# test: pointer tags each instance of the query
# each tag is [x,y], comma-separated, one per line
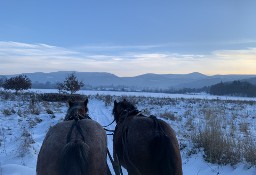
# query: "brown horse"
[144,145]
[74,147]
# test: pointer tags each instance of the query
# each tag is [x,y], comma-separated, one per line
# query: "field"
[217,135]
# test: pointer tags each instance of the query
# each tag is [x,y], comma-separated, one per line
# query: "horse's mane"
[125,109]
[72,113]
[128,106]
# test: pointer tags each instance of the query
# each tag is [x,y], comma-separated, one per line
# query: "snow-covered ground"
[24,123]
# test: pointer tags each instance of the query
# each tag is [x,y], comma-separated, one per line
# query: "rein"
[79,129]
[109,130]
[110,123]
[76,119]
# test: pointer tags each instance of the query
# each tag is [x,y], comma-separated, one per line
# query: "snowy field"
[147,94]
[24,123]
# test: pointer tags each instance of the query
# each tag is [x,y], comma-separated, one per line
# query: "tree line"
[235,88]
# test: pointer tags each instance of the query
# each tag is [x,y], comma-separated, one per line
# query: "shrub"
[108,100]
[70,84]
[5,95]
[8,112]
[49,111]
[55,97]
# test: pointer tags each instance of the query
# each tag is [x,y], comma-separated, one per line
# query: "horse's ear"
[124,100]
[70,103]
[115,103]
[86,102]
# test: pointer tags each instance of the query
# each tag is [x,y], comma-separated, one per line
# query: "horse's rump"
[148,146]
[55,146]
[165,150]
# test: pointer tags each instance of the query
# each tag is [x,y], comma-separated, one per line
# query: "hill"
[141,82]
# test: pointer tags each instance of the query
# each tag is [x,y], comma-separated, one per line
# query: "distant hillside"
[145,81]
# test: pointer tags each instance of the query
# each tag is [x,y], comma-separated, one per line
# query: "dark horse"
[144,145]
[75,146]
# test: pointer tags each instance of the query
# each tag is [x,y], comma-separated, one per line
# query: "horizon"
[128,38]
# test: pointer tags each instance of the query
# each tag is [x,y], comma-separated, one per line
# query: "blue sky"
[128,37]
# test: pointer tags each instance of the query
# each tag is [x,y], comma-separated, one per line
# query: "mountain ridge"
[144,81]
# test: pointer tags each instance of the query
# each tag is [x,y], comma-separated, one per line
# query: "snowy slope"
[23,125]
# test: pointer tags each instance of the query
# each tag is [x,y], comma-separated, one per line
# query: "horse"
[75,146]
[144,145]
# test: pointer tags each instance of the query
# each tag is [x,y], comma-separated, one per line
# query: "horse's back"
[142,143]
[143,130]
[56,139]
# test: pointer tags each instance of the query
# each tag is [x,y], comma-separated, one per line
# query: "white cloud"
[23,49]
[22,57]
[248,54]
[108,47]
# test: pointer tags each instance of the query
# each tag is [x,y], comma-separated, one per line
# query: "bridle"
[123,117]
[73,113]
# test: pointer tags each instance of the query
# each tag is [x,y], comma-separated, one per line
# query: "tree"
[70,84]
[18,83]
[60,87]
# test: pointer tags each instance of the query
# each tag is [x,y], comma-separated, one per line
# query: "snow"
[14,169]
[195,165]
[21,127]
[147,94]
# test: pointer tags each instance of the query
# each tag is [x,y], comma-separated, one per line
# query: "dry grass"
[218,147]
[244,128]
[169,116]
[26,141]
[249,151]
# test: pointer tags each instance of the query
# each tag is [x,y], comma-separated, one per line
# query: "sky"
[128,37]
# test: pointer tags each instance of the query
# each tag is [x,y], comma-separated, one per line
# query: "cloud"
[18,58]
[24,49]
[247,54]
[109,47]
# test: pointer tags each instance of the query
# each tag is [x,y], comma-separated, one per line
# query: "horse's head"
[77,110]
[123,109]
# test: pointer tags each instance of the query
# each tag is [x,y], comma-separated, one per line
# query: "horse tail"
[74,158]
[164,151]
